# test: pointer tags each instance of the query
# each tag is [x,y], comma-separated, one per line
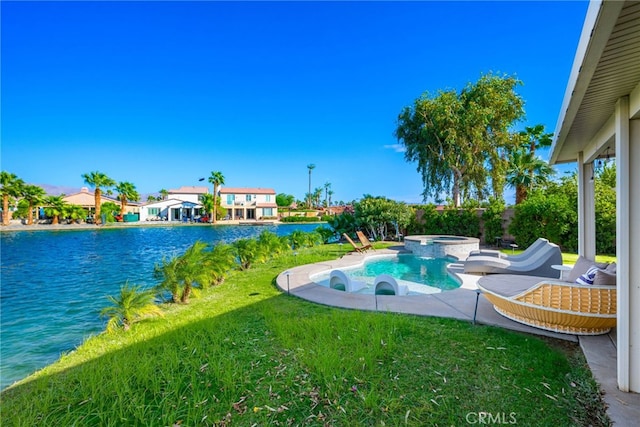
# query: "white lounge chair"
[387,285]
[538,264]
[340,281]
[535,246]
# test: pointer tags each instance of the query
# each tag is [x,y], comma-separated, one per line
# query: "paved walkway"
[465,303]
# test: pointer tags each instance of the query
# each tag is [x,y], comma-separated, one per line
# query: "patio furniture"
[356,248]
[537,264]
[535,246]
[552,305]
[388,285]
[366,244]
[340,281]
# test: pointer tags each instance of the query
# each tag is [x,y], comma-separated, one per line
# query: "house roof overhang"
[606,67]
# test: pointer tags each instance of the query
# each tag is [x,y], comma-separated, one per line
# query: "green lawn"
[245,354]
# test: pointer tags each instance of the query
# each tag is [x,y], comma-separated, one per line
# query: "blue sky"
[162,93]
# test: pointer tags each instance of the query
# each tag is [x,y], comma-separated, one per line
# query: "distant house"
[182,204]
[86,199]
[249,203]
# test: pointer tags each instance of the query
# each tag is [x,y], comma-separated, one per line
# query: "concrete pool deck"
[600,351]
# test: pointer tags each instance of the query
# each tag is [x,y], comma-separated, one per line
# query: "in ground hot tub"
[437,246]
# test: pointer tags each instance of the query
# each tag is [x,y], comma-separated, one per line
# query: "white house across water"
[182,204]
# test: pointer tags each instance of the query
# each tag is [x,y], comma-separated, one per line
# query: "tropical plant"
[219,261]
[271,245]
[311,167]
[126,192]
[163,194]
[55,207]
[217,179]
[151,198]
[526,172]
[11,188]
[109,210]
[98,181]
[327,187]
[182,274]
[33,195]
[75,213]
[300,239]
[208,204]
[454,136]
[248,252]
[317,194]
[131,305]
[326,233]
[284,200]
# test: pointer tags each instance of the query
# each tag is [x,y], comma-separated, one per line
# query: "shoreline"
[19,226]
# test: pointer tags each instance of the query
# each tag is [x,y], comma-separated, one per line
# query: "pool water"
[422,275]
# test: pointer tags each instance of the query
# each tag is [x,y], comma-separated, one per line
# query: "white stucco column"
[586,209]
[628,247]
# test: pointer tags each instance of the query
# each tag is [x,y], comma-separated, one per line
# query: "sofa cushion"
[603,277]
[612,268]
[588,277]
[581,266]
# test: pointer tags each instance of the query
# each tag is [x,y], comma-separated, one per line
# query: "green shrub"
[492,220]
[300,219]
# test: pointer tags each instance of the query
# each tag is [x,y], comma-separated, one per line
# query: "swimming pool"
[422,275]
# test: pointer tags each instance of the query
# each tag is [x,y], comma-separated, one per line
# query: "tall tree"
[126,192]
[217,179]
[311,167]
[11,188]
[526,172]
[454,136]
[98,180]
[33,195]
[163,194]
[317,195]
[327,187]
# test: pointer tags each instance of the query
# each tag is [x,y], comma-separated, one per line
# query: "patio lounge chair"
[537,264]
[366,244]
[552,305]
[388,285]
[340,281]
[356,248]
[535,246]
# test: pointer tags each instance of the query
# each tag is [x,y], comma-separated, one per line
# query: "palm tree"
[55,207]
[98,180]
[311,167]
[182,274]
[132,305]
[75,213]
[217,179]
[525,172]
[208,204]
[327,187]
[317,195]
[33,195]
[164,194]
[126,191]
[11,187]
[151,198]
[330,193]
[248,251]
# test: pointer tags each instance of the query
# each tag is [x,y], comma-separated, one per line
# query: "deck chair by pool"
[535,246]
[366,244]
[538,264]
[552,305]
[388,285]
[356,248]
[340,281]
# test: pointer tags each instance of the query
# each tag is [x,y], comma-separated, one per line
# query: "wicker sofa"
[552,305]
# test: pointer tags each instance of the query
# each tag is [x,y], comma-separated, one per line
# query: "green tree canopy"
[460,140]
[11,188]
[284,200]
[98,180]
[126,191]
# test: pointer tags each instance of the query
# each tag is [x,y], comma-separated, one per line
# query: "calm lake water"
[54,283]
